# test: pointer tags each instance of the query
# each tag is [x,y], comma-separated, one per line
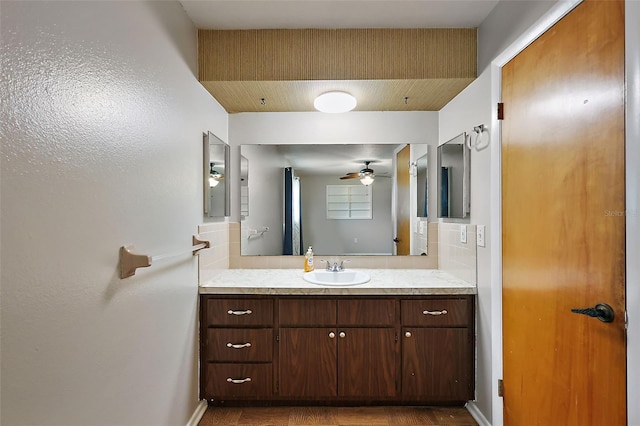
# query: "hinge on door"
[500,111]
[500,388]
[277,337]
[396,338]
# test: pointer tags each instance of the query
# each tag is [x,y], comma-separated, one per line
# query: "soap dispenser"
[308,260]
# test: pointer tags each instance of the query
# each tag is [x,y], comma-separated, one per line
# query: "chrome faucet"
[335,267]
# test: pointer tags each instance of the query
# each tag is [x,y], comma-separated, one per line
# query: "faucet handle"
[342,262]
[328,264]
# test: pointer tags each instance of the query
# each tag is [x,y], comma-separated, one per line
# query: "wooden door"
[367,362]
[308,362]
[563,222]
[403,204]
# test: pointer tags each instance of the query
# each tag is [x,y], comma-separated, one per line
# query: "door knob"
[342,334]
[332,335]
[396,240]
[602,311]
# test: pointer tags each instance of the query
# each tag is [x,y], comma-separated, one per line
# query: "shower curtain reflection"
[293,244]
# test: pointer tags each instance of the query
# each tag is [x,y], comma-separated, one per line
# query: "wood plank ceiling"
[283,70]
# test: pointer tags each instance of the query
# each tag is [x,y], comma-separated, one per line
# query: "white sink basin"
[342,278]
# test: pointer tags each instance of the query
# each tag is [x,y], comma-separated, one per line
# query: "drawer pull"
[247,312]
[238,381]
[442,312]
[239,346]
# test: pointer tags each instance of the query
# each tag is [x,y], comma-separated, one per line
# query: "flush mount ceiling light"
[335,102]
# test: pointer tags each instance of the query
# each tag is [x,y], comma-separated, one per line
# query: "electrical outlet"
[480,236]
[463,234]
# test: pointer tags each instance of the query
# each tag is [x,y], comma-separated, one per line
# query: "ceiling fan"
[365,175]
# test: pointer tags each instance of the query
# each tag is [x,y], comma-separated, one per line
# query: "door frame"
[632,198]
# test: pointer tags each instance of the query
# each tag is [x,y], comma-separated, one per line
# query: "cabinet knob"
[332,335]
[342,334]
[407,334]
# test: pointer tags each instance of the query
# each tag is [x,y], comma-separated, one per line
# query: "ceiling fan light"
[335,102]
[367,178]
[213,181]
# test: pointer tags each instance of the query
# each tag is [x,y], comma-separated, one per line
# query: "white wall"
[102,122]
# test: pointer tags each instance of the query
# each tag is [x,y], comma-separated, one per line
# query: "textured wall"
[102,122]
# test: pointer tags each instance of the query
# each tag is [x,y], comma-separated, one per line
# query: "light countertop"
[290,282]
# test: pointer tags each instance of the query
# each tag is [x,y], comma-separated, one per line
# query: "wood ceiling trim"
[342,54]
[372,95]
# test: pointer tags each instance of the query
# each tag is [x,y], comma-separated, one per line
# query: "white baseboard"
[197,415]
[477,415]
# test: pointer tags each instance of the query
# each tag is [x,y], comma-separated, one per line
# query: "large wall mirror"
[340,199]
[454,172]
[215,177]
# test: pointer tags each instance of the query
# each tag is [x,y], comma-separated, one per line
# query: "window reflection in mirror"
[454,178]
[316,168]
[215,173]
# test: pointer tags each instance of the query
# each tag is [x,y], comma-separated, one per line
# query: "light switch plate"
[480,236]
[463,234]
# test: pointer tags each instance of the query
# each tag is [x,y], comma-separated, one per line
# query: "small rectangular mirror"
[215,172]
[422,187]
[454,171]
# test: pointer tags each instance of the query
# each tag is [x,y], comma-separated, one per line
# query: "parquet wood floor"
[336,416]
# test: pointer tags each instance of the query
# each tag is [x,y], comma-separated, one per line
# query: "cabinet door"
[308,362]
[437,364]
[367,362]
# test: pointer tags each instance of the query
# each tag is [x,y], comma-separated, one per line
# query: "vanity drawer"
[436,312]
[371,312]
[307,312]
[236,344]
[239,312]
[233,381]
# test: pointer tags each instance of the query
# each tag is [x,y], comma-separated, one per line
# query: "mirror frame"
[209,140]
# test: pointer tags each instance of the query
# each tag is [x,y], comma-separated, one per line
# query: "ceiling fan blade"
[352,175]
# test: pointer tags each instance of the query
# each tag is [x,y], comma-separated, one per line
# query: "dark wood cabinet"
[363,349]
[438,349]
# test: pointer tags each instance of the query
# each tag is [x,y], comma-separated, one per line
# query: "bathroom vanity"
[407,336]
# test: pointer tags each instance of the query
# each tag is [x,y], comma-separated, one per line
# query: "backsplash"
[455,257]
[446,252]
[216,258]
[225,254]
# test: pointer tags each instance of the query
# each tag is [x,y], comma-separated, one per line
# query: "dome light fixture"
[366,175]
[335,102]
